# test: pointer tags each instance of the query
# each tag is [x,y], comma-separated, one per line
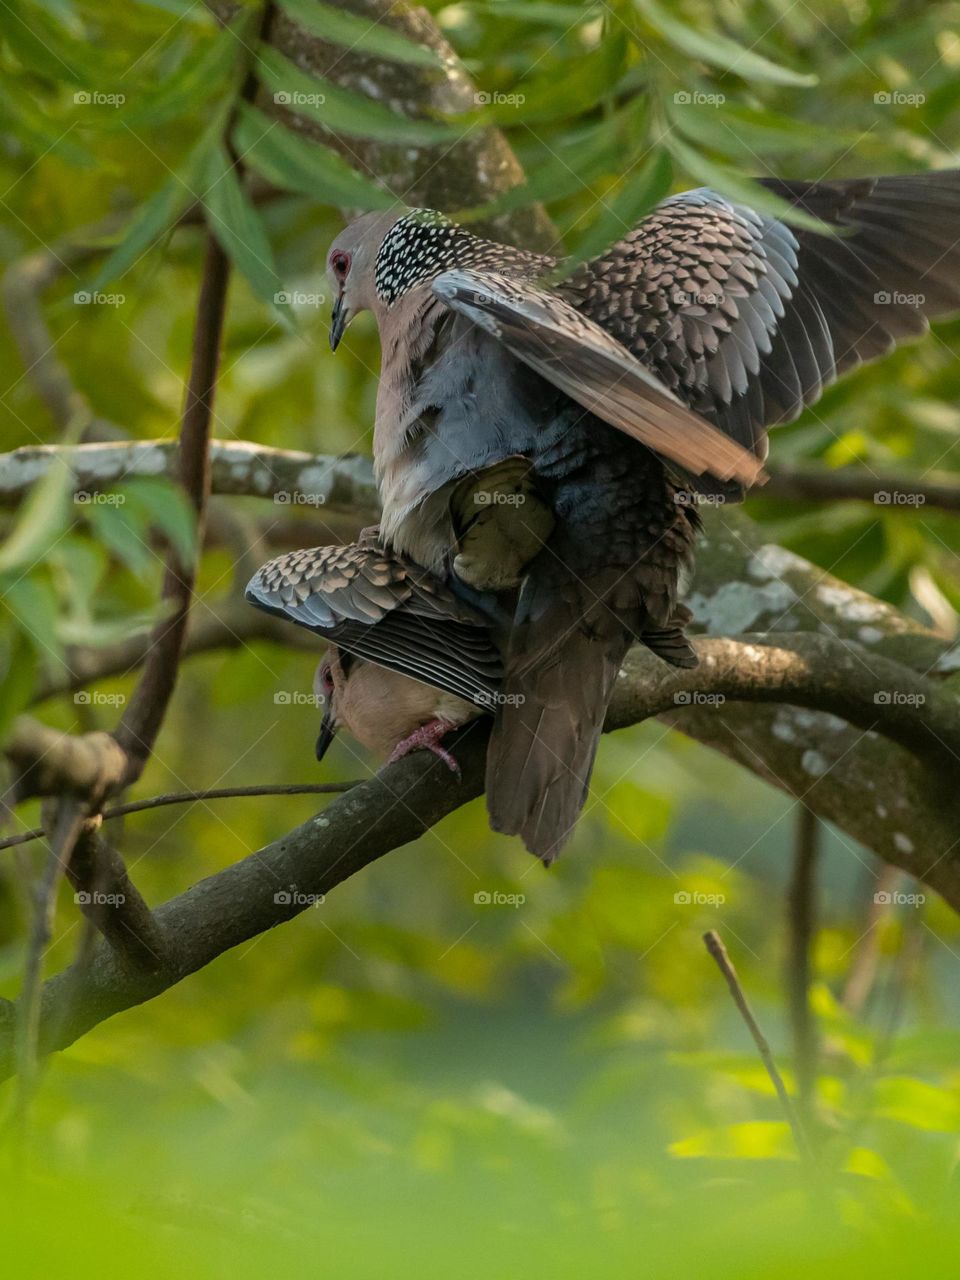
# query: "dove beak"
[338,322]
[328,731]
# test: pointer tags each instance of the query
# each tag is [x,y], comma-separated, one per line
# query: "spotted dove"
[407,660]
[543,443]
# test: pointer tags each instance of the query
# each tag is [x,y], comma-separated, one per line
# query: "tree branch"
[887,490]
[408,797]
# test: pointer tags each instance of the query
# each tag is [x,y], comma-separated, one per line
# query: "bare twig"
[801,932]
[888,490]
[718,951]
[71,815]
[187,797]
[862,974]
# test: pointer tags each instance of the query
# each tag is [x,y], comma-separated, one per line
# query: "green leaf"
[42,519]
[566,16]
[18,664]
[340,110]
[587,79]
[352,31]
[197,80]
[162,505]
[33,603]
[717,50]
[291,163]
[586,156]
[621,212]
[238,227]
[730,183]
[156,216]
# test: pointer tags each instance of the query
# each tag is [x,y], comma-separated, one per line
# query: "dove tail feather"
[546,734]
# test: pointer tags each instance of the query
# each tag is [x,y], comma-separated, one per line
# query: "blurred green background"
[406,1080]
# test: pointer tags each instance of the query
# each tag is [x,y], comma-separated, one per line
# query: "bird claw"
[427,737]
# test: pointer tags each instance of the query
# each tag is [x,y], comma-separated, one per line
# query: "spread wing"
[746,319]
[574,353]
[376,606]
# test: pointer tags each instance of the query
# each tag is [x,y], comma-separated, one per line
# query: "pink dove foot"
[427,737]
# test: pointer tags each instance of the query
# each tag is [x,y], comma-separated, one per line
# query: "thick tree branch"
[407,798]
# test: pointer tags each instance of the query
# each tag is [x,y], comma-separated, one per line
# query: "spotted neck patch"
[423,244]
[417,248]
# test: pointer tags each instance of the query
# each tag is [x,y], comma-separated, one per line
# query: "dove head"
[328,674]
[380,257]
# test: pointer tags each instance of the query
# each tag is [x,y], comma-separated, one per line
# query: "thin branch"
[145,711]
[188,797]
[887,490]
[71,815]
[801,932]
[718,951]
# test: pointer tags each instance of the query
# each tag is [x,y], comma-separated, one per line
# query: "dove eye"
[340,262]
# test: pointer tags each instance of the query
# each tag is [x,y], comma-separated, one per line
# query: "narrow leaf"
[342,111]
[238,227]
[622,211]
[352,31]
[717,50]
[734,186]
[291,163]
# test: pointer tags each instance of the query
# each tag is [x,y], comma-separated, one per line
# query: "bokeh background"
[407,1079]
